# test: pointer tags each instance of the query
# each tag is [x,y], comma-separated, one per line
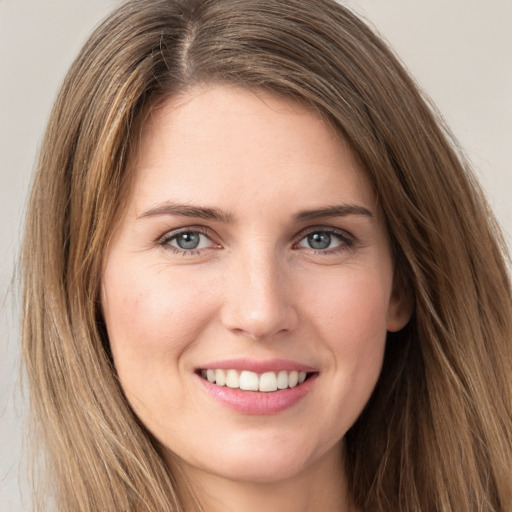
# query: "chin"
[265,461]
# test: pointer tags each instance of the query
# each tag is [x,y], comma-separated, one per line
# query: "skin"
[254,288]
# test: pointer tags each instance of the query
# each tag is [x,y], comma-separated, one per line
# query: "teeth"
[251,381]
[268,382]
[293,379]
[282,380]
[232,379]
[220,377]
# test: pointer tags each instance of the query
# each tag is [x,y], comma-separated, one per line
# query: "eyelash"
[347,241]
[165,240]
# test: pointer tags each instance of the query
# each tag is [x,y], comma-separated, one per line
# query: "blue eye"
[324,241]
[185,241]
[319,240]
[188,240]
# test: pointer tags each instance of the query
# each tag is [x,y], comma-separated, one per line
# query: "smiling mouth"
[245,380]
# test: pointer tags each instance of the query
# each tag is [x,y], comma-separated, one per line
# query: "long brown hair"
[437,432]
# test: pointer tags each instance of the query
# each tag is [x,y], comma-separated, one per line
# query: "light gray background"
[459,50]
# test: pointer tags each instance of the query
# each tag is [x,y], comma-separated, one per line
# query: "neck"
[321,486]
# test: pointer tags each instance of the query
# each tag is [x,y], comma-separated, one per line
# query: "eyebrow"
[341,210]
[186,210]
[201,212]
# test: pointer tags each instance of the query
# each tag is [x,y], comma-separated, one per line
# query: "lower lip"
[257,402]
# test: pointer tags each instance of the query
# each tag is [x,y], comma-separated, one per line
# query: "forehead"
[231,144]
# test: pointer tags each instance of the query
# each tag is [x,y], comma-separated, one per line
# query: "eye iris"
[188,240]
[319,240]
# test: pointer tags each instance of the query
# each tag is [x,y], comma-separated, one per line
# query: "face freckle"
[251,179]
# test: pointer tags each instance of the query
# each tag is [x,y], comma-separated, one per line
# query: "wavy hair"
[436,434]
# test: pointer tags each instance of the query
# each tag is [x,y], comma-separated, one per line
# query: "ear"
[401,306]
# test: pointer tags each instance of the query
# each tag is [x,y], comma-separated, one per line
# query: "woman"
[257,274]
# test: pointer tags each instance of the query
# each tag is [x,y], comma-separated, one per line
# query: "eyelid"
[164,239]
[324,229]
[347,237]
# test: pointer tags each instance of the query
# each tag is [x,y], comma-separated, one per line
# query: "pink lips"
[255,402]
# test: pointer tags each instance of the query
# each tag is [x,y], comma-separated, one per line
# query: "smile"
[245,380]
[255,387]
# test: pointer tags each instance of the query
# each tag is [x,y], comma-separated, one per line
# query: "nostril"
[259,326]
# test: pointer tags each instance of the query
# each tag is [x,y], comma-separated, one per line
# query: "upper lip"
[258,366]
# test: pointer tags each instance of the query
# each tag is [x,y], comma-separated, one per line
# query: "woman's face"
[251,255]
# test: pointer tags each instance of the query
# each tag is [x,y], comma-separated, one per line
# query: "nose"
[258,298]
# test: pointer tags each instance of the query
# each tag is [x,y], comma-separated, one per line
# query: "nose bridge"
[257,301]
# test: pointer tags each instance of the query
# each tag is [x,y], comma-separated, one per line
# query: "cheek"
[352,308]
[351,317]
[152,320]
